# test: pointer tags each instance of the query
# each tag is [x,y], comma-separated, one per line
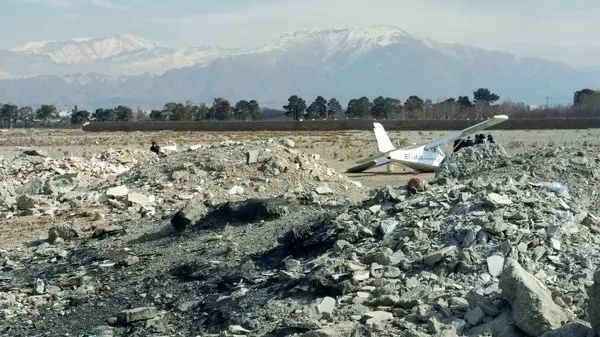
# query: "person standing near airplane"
[154,148]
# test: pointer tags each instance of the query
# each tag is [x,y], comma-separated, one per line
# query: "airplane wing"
[465,132]
[368,164]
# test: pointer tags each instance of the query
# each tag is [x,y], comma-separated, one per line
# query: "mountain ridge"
[341,62]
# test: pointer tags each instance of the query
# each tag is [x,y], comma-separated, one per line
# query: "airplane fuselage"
[419,159]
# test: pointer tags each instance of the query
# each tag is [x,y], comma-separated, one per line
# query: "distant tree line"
[586,103]
[11,115]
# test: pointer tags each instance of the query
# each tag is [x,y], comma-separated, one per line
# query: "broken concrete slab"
[533,308]
[193,212]
[137,314]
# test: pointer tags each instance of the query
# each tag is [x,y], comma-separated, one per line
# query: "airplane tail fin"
[384,144]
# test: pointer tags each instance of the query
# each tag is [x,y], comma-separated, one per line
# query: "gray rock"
[139,200]
[288,143]
[387,226]
[117,191]
[137,314]
[475,316]
[39,286]
[392,272]
[234,190]
[320,333]
[593,308]
[326,307]
[361,275]
[533,308]
[189,215]
[63,232]
[25,202]
[412,282]
[382,256]
[571,329]
[438,255]
[101,331]
[293,265]
[470,237]
[480,301]
[237,329]
[324,189]
[372,317]
[502,325]
[387,300]
[498,200]
[252,157]
[130,260]
[201,173]
[495,264]
[578,160]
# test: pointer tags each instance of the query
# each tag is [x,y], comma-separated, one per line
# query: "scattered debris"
[498,246]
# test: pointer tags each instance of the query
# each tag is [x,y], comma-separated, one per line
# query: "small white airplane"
[423,158]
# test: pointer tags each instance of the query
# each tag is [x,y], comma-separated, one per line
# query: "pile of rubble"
[36,184]
[233,171]
[502,249]
[472,160]
[140,183]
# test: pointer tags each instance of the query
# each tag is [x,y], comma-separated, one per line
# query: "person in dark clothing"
[469,142]
[480,139]
[490,139]
[458,144]
[154,148]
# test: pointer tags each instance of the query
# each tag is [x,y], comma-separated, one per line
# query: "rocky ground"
[261,235]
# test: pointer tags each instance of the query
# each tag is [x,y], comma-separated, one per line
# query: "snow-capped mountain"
[87,49]
[112,55]
[343,63]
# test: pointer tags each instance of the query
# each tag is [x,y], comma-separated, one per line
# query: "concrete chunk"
[139,199]
[252,157]
[533,309]
[137,314]
[117,191]
[326,307]
[324,189]
[498,200]
[572,329]
[593,293]
[189,215]
[437,256]
[377,316]
[495,264]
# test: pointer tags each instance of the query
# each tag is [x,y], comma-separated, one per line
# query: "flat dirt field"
[340,149]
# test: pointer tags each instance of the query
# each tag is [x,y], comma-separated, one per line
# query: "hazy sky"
[564,30]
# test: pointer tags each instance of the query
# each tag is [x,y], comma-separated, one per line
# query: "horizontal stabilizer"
[368,164]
